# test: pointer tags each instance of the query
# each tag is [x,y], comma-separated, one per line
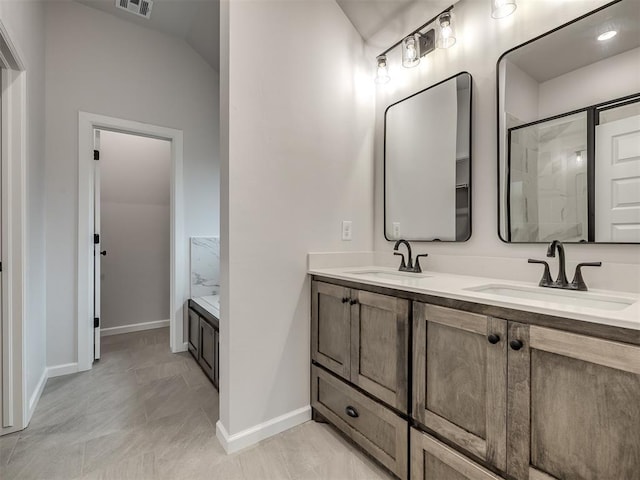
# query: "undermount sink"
[386,275]
[563,297]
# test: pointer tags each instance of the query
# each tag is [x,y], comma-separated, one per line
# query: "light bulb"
[578,157]
[382,75]
[410,51]
[446,35]
[502,8]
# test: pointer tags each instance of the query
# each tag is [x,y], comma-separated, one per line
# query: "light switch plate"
[347,230]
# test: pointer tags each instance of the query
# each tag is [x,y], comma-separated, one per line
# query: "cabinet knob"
[516,344]
[352,412]
[493,338]
[345,300]
[353,302]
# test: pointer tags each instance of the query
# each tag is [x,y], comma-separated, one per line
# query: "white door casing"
[88,122]
[617,184]
[97,248]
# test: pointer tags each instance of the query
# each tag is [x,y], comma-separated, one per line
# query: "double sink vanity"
[450,377]
[443,377]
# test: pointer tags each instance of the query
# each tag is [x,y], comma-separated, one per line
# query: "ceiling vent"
[141,8]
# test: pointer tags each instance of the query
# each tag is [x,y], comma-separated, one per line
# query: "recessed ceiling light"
[607,35]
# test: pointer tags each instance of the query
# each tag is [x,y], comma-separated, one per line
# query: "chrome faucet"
[561,281]
[408,266]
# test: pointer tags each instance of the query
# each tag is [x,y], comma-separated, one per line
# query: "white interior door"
[617,173]
[97,252]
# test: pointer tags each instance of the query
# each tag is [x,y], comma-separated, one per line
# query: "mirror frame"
[499,133]
[384,160]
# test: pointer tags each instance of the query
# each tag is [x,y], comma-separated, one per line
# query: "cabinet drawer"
[374,427]
[433,460]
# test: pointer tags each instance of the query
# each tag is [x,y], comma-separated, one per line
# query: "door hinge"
[96,154]
[96,238]
[96,322]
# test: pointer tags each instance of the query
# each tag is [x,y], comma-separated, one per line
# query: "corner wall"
[24,22]
[101,64]
[480,42]
[299,132]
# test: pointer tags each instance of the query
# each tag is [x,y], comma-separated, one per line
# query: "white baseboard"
[183,347]
[59,370]
[135,327]
[33,401]
[250,436]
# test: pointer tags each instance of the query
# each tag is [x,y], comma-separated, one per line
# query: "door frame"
[87,123]
[16,407]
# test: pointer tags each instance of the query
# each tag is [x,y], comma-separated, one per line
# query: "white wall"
[480,42]
[599,82]
[24,22]
[101,64]
[135,175]
[300,133]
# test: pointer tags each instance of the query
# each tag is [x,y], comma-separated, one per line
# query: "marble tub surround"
[461,287]
[205,266]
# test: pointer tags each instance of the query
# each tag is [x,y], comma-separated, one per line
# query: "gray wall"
[135,228]
[24,22]
[99,63]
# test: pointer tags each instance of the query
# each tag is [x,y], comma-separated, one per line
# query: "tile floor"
[143,413]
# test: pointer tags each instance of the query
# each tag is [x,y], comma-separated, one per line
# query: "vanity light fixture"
[411,51]
[446,34]
[607,35]
[418,44]
[382,75]
[578,157]
[502,8]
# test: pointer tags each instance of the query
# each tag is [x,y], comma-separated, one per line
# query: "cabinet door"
[216,364]
[193,332]
[459,379]
[433,460]
[330,327]
[574,406]
[207,348]
[379,346]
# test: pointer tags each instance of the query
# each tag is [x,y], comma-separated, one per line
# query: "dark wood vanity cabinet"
[203,333]
[491,397]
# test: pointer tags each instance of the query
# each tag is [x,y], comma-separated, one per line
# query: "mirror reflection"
[569,132]
[427,164]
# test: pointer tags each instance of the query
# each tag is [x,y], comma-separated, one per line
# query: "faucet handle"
[402,263]
[416,266]
[578,281]
[546,279]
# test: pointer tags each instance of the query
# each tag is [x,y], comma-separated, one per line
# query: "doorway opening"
[132,243]
[89,240]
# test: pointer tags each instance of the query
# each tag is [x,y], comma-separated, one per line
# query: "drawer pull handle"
[353,302]
[352,412]
[516,344]
[493,338]
[345,300]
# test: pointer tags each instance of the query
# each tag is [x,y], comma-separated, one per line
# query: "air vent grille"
[142,8]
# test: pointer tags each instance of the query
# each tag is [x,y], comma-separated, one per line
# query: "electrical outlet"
[346,230]
[396,230]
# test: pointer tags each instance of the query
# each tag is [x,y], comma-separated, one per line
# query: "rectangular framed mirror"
[427,163]
[569,132]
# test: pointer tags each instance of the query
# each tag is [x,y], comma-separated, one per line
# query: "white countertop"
[211,303]
[457,287]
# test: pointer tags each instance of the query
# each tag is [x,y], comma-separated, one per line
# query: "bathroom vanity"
[203,334]
[438,376]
